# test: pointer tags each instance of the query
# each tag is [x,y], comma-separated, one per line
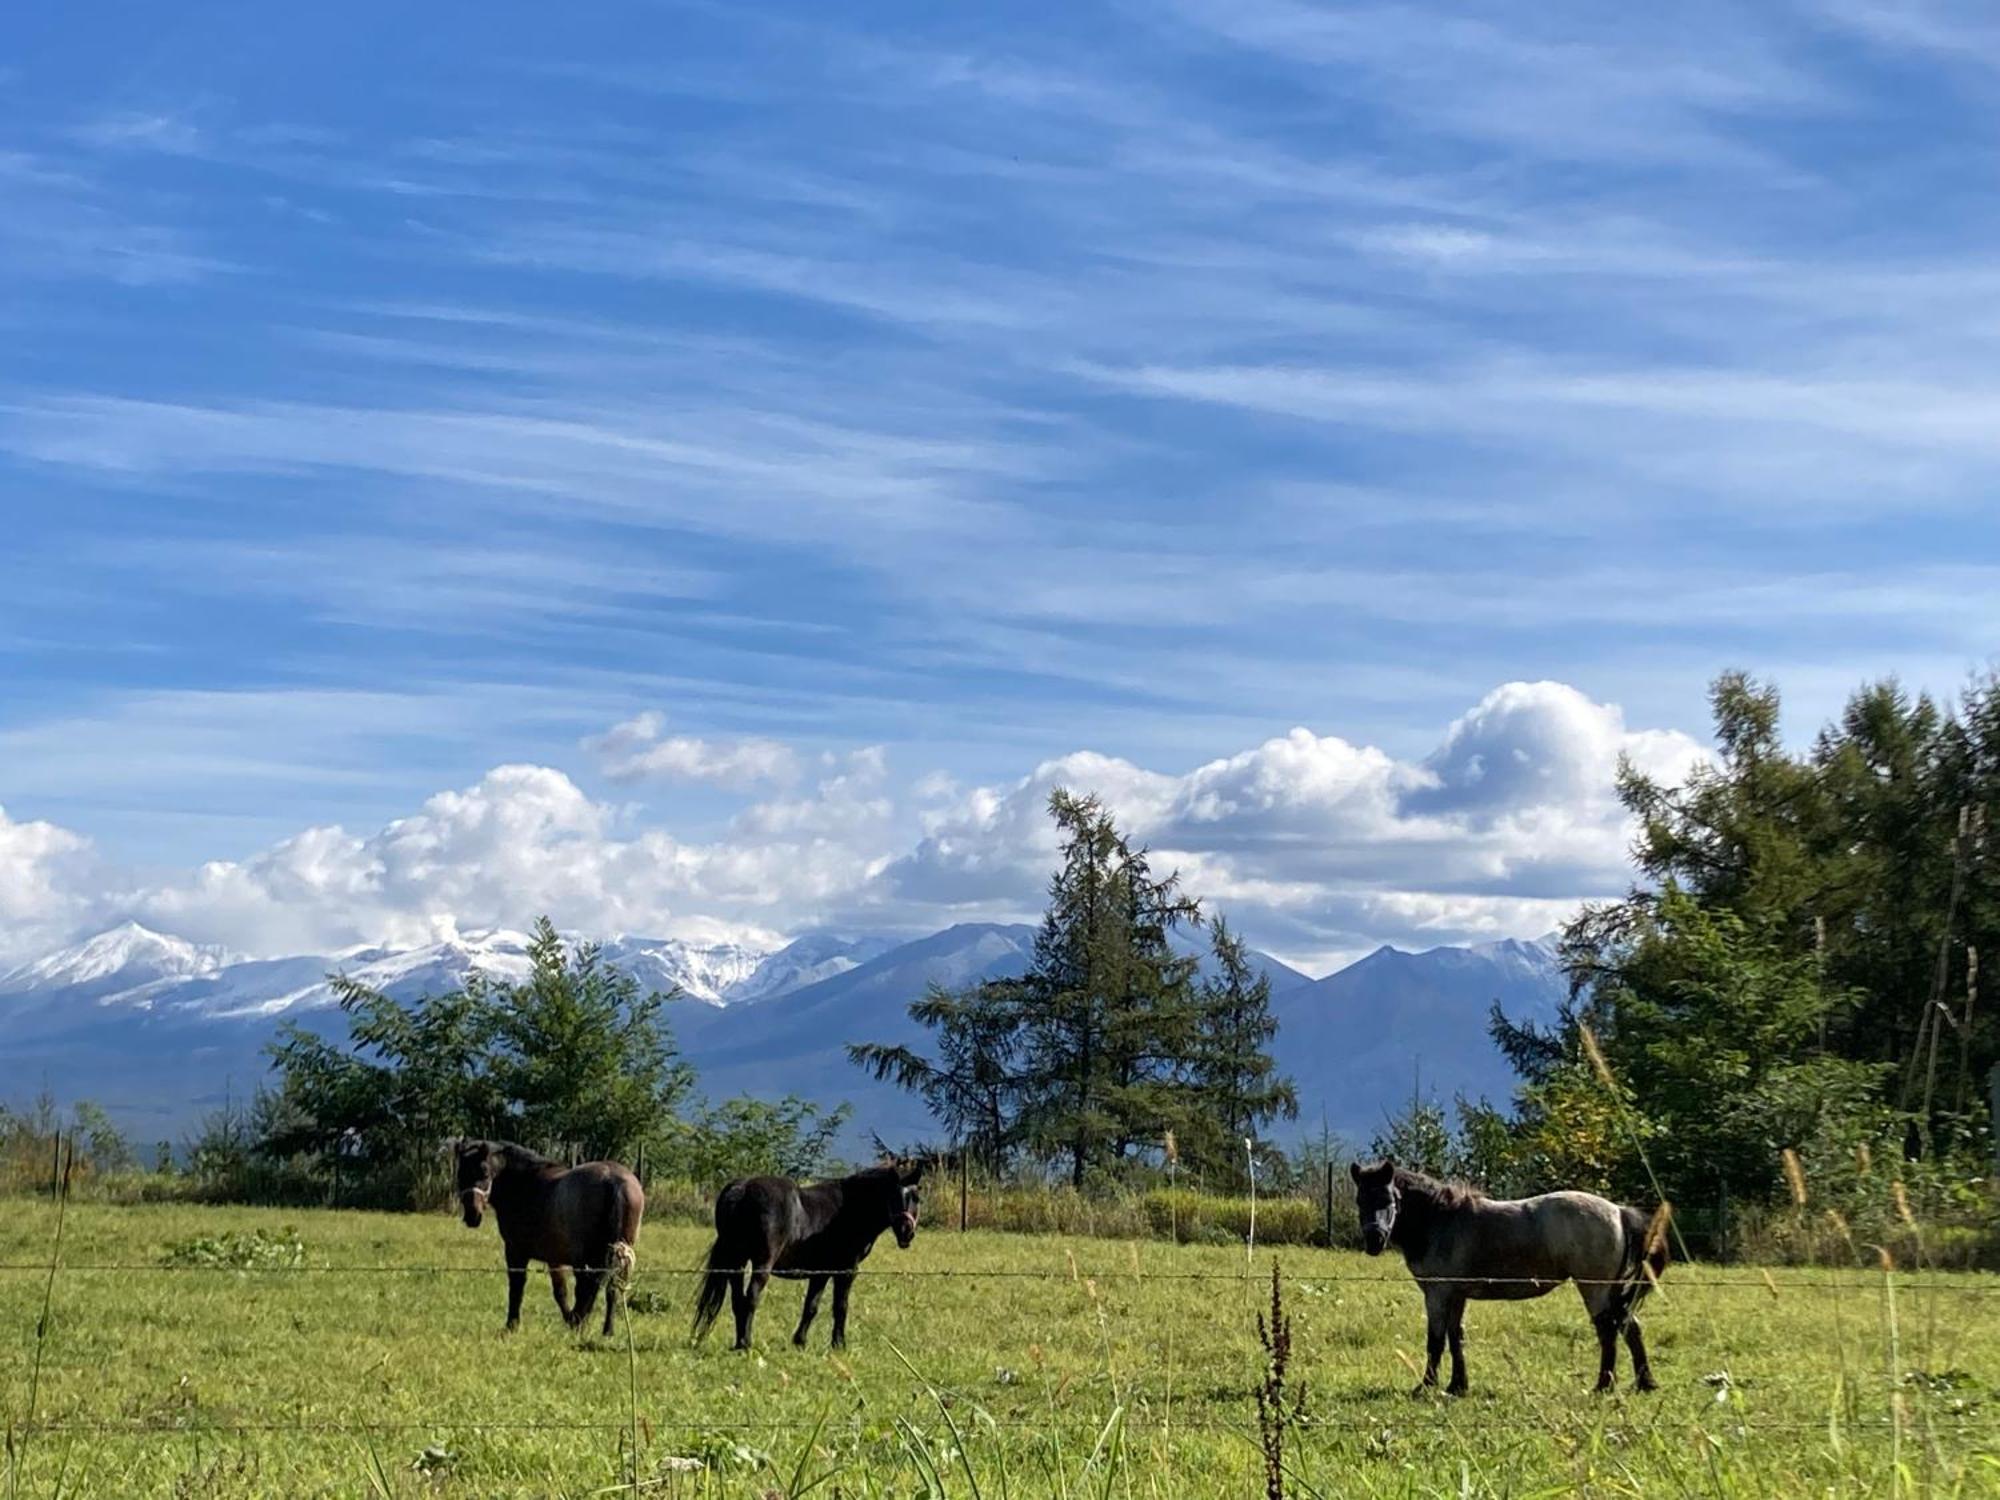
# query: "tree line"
[575,1059]
[1115,1048]
[1794,971]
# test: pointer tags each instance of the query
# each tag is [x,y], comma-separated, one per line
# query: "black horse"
[586,1218]
[820,1233]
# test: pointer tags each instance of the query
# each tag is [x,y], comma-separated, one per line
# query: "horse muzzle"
[906,1230]
[472,1205]
[1373,1240]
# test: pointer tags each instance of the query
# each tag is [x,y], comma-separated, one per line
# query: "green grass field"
[1076,1367]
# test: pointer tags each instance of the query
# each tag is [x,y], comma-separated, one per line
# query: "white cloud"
[44,871]
[1320,848]
[1316,846]
[639,749]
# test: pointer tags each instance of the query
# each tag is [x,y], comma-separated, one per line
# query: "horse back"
[759,1216]
[1528,1246]
[602,1204]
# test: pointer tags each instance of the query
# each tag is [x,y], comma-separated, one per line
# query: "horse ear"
[1354,1170]
[915,1174]
[1388,1166]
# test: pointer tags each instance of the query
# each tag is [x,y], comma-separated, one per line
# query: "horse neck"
[858,1221]
[1419,1218]
[516,1184]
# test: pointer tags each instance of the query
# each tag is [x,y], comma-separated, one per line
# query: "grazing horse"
[1462,1245]
[583,1218]
[820,1233]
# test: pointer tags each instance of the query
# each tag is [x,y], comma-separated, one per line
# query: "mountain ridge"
[156,1027]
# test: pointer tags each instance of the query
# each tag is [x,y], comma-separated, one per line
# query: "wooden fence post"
[964,1189]
[1329,1203]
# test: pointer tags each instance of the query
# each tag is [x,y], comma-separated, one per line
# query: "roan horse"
[821,1233]
[583,1218]
[1462,1245]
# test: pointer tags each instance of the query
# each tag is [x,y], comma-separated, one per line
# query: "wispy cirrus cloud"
[640,749]
[1148,379]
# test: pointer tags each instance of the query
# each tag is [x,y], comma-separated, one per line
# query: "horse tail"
[714,1288]
[624,1261]
[1645,1256]
[1656,1240]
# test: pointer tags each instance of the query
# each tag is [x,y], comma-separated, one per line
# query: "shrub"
[238,1250]
[1196,1217]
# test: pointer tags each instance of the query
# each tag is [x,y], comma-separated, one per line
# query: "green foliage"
[1795,970]
[1209,1218]
[573,1058]
[746,1137]
[971,1088]
[239,1250]
[1418,1137]
[1231,1075]
[92,1146]
[1107,1045]
[578,1054]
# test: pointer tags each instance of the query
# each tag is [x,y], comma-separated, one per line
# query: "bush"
[1199,1218]
[238,1250]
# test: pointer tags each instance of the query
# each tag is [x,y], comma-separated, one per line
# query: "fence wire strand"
[1688,1280]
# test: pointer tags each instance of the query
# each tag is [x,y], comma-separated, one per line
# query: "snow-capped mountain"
[112,964]
[807,961]
[132,966]
[157,1028]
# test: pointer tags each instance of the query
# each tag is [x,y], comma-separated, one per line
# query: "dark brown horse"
[820,1233]
[583,1218]
[1462,1246]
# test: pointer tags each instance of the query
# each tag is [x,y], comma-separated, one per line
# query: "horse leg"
[843,1283]
[1435,1324]
[517,1283]
[611,1284]
[559,1284]
[1642,1368]
[739,1304]
[760,1277]
[588,1284]
[813,1289]
[1455,1332]
[1602,1305]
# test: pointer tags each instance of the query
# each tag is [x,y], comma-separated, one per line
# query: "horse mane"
[518,1155]
[1439,1194]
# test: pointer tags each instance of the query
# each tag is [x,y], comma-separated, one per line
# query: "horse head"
[1377,1197]
[905,1221]
[478,1165]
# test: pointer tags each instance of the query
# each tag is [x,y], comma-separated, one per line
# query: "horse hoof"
[1646,1384]
[1457,1390]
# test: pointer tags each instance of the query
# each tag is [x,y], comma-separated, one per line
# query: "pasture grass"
[980,1364]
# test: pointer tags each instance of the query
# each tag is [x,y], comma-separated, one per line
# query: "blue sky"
[873,413]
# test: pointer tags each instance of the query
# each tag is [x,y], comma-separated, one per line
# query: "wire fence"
[1715,1410]
[1688,1279]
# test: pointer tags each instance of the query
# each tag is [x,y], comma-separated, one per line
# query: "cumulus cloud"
[640,749]
[1317,847]
[523,841]
[1322,848]
[45,874]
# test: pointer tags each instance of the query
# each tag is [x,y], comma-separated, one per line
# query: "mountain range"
[160,1029]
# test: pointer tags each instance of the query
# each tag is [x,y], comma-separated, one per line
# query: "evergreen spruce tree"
[1237,1084]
